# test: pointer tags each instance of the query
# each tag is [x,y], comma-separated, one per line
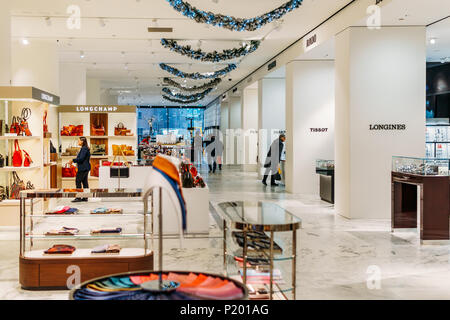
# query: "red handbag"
[69,171]
[45,122]
[26,113]
[15,127]
[27,161]
[17,155]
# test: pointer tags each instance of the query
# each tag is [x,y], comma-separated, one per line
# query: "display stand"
[325,168]
[108,117]
[262,217]
[38,271]
[159,287]
[12,101]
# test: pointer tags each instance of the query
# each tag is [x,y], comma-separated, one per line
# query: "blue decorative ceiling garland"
[232,23]
[212,84]
[193,100]
[228,54]
[197,75]
[189,97]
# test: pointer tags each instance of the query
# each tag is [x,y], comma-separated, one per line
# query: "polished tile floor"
[338,258]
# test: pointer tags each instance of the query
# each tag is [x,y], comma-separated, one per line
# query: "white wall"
[72,83]
[309,104]
[271,112]
[108,99]
[224,126]
[5,44]
[250,127]
[93,92]
[36,64]
[380,79]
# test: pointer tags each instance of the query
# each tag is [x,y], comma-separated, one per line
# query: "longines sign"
[387,127]
[97,109]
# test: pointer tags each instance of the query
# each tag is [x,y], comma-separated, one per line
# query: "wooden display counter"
[434,205]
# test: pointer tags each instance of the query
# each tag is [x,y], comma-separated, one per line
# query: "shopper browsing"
[84,166]
[273,160]
[214,149]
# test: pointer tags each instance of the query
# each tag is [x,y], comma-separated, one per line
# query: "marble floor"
[338,258]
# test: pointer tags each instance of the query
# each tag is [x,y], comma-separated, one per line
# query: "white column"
[5,43]
[271,114]
[380,79]
[309,122]
[235,146]
[72,84]
[250,128]
[93,92]
[36,65]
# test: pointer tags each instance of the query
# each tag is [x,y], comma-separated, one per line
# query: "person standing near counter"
[83,161]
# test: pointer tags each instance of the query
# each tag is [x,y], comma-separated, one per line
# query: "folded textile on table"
[64,231]
[60,249]
[107,231]
[107,211]
[107,248]
[63,210]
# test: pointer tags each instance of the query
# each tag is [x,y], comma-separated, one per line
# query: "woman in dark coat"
[83,161]
[273,160]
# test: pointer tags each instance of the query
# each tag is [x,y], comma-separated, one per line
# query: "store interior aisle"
[338,258]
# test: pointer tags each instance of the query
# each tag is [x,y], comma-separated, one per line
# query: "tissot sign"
[97,109]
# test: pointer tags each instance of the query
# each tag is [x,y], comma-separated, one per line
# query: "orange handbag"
[27,161]
[15,127]
[69,171]
[45,122]
[17,155]
[26,113]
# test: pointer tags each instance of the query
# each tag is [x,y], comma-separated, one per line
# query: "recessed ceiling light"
[101,22]
[433,41]
[25,42]
[82,54]
[48,21]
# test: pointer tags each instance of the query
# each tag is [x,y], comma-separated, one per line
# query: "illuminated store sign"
[98,109]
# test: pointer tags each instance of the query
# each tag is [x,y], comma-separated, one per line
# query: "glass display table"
[246,223]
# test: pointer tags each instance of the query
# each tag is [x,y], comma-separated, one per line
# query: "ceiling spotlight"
[126,66]
[155,22]
[25,42]
[433,41]
[48,21]
[101,22]
[82,54]
[123,53]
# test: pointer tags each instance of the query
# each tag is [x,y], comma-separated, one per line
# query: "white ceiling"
[125,30]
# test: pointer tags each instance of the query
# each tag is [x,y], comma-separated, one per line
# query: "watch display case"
[421,166]
[325,168]
[438,140]
[107,234]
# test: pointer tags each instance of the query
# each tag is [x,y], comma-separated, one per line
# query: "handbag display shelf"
[40,271]
[24,109]
[251,251]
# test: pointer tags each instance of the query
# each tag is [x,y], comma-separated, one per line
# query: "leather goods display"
[27,159]
[64,231]
[95,172]
[72,130]
[17,186]
[17,155]
[15,126]
[44,122]
[107,211]
[121,130]
[107,248]
[69,171]
[106,231]
[98,130]
[60,249]
[98,149]
[24,128]
[193,286]
[122,150]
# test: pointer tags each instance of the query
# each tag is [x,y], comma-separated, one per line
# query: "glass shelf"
[86,215]
[88,237]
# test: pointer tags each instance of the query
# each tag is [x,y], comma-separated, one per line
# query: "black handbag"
[2,161]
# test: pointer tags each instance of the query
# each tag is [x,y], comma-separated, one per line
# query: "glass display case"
[260,248]
[421,166]
[108,232]
[438,140]
[325,168]
[324,165]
